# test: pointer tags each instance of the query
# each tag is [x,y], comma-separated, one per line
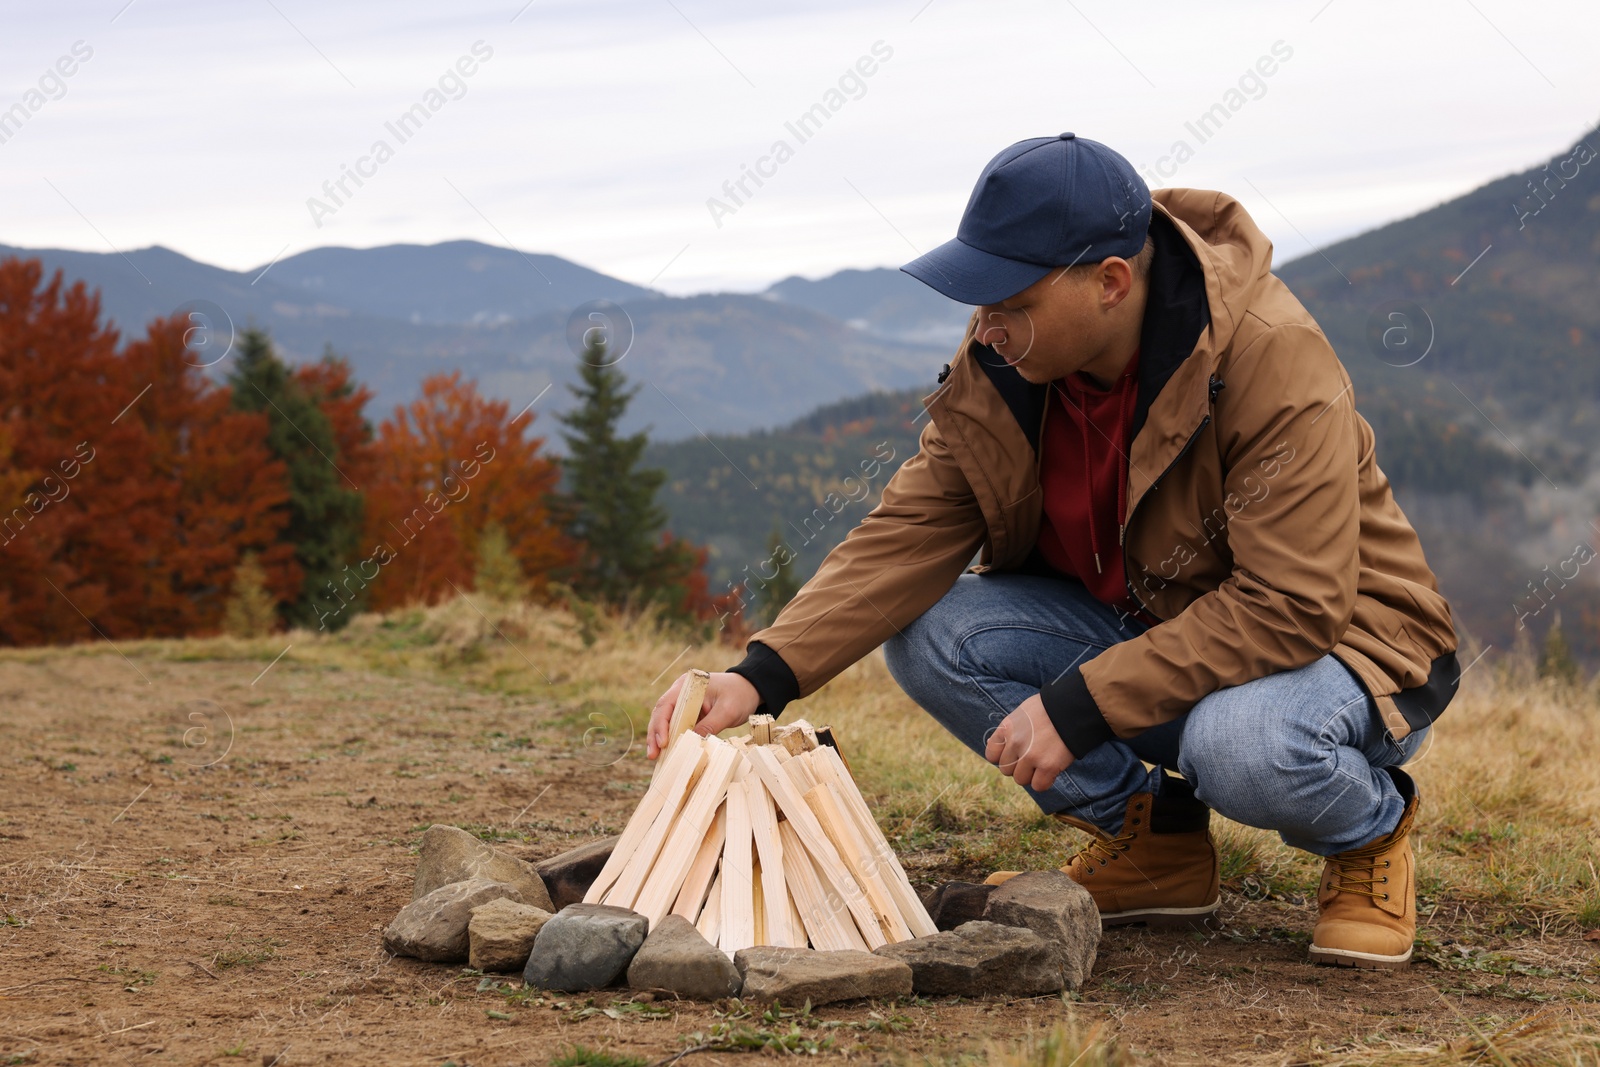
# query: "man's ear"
[1116,281]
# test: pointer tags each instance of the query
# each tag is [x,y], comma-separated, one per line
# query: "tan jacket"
[1260,530]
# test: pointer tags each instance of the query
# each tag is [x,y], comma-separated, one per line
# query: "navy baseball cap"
[1041,203]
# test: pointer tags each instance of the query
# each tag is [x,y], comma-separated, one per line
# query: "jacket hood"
[1232,250]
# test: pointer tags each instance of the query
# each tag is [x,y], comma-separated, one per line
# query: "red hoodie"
[1084,476]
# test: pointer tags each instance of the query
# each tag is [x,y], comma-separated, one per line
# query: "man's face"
[1056,326]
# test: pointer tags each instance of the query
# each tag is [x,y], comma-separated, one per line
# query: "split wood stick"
[828,766]
[794,741]
[809,732]
[796,924]
[679,789]
[822,914]
[643,817]
[686,712]
[783,755]
[769,850]
[758,906]
[738,922]
[761,728]
[825,738]
[698,881]
[688,833]
[800,773]
[710,921]
[824,800]
[829,865]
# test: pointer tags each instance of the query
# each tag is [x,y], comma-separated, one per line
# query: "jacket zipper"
[1122,539]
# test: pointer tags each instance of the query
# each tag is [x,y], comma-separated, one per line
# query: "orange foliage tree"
[128,487]
[448,465]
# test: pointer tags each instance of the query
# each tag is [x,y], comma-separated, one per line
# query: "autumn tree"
[449,466]
[129,487]
[325,503]
[217,492]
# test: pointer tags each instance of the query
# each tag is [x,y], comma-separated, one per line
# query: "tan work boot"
[1367,902]
[1161,869]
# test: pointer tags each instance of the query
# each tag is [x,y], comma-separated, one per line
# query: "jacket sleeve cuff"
[774,681]
[1075,715]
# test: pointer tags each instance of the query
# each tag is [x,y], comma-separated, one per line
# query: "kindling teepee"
[760,840]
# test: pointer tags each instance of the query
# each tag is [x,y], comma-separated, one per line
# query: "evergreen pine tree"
[609,503]
[781,588]
[325,509]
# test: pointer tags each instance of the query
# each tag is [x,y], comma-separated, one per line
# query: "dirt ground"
[198,858]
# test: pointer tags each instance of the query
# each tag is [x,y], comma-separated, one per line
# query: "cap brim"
[971,275]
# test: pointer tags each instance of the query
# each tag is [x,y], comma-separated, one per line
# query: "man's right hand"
[730,701]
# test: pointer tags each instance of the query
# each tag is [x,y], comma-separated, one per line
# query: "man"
[1188,557]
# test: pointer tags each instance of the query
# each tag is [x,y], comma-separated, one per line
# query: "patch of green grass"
[1257,867]
[583,1056]
[246,955]
[1018,845]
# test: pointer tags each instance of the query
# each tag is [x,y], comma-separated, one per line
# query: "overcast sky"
[599,130]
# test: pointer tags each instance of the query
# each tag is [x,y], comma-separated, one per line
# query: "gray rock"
[569,875]
[500,934]
[1059,910]
[978,958]
[954,903]
[451,855]
[675,957]
[434,927]
[585,946]
[795,975]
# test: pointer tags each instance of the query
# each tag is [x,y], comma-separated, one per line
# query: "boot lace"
[1105,849]
[1347,865]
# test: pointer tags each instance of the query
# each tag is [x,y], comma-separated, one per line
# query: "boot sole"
[1344,957]
[1203,917]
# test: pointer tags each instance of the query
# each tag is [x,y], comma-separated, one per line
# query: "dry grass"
[1538,1040]
[1068,1043]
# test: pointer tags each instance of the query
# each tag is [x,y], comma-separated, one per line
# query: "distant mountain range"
[723,362]
[885,301]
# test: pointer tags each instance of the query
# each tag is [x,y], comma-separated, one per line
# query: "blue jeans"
[1301,752]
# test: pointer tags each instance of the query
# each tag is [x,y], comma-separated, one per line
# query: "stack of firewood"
[760,840]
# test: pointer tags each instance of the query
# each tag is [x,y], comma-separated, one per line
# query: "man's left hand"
[1026,746]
